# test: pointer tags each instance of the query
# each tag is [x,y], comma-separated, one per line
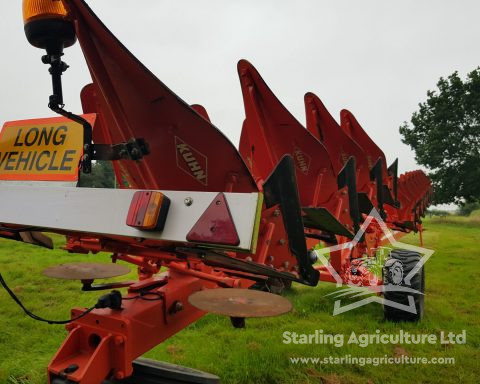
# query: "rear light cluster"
[148,210]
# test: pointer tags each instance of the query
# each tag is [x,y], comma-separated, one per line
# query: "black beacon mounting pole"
[134,149]
[57,68]
[54,35]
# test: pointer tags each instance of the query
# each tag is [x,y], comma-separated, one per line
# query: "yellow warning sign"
[42,149]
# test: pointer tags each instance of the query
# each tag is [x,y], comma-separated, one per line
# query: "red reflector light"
[148,210]
[216,225]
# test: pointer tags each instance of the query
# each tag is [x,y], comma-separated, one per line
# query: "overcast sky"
[375,58]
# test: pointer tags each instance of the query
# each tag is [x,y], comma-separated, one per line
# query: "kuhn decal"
[302,160]
[343,156]
[191,161]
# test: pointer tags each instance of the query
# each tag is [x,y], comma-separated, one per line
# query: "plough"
[228,225]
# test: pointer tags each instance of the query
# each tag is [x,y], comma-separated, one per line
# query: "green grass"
[256,354]
[471,220]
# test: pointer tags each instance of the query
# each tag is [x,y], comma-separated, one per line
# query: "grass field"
[256,354]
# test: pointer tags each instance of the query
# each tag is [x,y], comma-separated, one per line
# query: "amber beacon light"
[47,25]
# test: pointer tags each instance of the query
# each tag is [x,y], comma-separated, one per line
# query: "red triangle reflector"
[215,225]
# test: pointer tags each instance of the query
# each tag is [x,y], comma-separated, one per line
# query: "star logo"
[353,291]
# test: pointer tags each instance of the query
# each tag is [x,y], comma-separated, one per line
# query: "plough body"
[247,218]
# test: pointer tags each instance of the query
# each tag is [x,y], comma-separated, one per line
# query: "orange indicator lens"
[42,9]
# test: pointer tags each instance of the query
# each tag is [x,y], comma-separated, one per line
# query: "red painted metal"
[414,188]
[340,146]
[189,153]
[134,103]
[270,131]
[352,128]
[371,150]
[107,341]
[415,193]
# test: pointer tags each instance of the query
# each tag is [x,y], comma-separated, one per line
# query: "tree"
[102,176]
[445,135]
[468,208]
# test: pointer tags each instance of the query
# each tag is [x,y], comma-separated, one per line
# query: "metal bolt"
[119,340]
[286,264]
[188,201]
[276,212]
[248,258]
[71,368]
[270,259]
[119,375]
[135,154]
[123,153]
[281,241]
[177,307]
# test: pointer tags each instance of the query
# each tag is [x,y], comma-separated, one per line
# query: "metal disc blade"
[86,271]
[240,302]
